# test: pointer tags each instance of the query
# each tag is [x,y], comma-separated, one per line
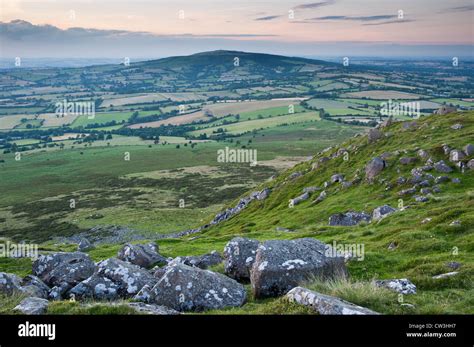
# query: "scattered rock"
[422,154]
[382,212]
[374,167]
[320,198]
[295,175]
[349,218]
[426,191]
[470,164]
[128,277]
[441,166]
[455,223]
[449,274]
[337,178]
[281,265]
[419,198]
[402,286]
[84,245]
[401,180]
[62,271]
[374,135]
[32,306]
[468,149]
[407,191]
[456,155]
[441,179]
[311,189]
[298,199]
[457,126]
[186,288]
[143,255]
[392,246]
[456,180]
[426,220]
[325,304]
[407,160]
[152,309]
[202,261]
[453,265]
[239,255]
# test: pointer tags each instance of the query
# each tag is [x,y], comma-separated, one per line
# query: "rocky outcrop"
[186,288]
[144,255]
[324,304]
[349,218]
[374,135]
[32,306]
[239,255]
[281,265]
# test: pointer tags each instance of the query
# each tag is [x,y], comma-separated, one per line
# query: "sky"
[155,28]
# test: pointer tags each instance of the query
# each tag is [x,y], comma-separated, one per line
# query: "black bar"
[203,329]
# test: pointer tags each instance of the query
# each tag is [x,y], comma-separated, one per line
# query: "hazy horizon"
[325,28]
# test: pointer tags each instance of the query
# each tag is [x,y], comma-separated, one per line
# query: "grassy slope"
[423,249]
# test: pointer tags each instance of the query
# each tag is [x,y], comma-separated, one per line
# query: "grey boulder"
[239,256]
[202,261]
[374,167]
[96,287]
[128,277]
[325,304]
[382,212]
[402,286]
[281,265]
[143,255]
[349,218]
[10,283]
[63,270]
[186,288]
[32,306]
[34,286]
[441,166]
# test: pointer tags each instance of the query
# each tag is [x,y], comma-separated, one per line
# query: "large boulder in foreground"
[143,255]
[128,278]
[239,255]
[325,304]
[349,218]
[63,270]
[33,286]
[186,288]
[281,265]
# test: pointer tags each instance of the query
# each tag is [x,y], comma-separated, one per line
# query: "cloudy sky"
[147,28]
